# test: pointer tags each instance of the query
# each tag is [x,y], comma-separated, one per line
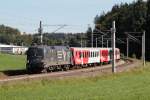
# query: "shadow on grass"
[14,72]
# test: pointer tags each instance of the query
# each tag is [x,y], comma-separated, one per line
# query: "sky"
[77,14]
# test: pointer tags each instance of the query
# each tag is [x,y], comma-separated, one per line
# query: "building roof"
[4,45]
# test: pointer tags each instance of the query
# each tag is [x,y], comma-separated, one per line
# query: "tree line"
[9,35]
[133,17]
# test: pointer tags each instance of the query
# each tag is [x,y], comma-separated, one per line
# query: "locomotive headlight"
[43,62]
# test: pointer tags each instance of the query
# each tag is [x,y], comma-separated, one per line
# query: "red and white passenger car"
[82,56]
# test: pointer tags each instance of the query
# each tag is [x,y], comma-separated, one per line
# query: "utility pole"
[91,36]
[102,41]
[96,42]
[40,32]
[143,48]
[107,43]
[85,43]
[92,39]
[127,46]
[81,41]
[113,47]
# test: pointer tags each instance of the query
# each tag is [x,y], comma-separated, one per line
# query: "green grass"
[133,85]
[12,62]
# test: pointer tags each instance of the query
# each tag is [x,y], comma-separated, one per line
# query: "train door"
[67,56]
[51,56]
[104,55]
[59,56]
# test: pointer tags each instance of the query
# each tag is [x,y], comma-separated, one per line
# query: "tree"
[89,36]
[8,34]
[148,31]
[128,17]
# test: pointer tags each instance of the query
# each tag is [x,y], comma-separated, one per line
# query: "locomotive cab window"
[36,52]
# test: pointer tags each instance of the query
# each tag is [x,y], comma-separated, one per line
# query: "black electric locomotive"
[48,58]
[51,58]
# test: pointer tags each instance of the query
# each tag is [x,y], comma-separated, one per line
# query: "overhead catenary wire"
[134,38]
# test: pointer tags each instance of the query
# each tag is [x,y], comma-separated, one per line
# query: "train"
[50,58]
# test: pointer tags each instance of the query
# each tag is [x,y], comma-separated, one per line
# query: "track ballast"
[121,66]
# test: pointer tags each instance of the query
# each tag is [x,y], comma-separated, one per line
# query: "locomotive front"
[35,56]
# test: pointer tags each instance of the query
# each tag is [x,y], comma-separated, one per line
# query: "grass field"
[12,62]
[134,85]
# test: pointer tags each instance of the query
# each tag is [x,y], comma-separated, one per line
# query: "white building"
[12,49]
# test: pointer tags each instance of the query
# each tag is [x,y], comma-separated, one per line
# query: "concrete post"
[127,46]
[113,47]
[143,48]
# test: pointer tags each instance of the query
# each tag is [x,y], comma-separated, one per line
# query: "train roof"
[67,47]
[89,48]
[59,47]
[51,47]
[79,48]
[11,46]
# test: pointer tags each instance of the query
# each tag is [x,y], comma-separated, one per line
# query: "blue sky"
[26,14]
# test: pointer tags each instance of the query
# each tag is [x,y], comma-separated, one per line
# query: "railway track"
[122,65]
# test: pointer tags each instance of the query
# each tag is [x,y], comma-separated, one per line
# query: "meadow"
[132,85]
[12,62]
